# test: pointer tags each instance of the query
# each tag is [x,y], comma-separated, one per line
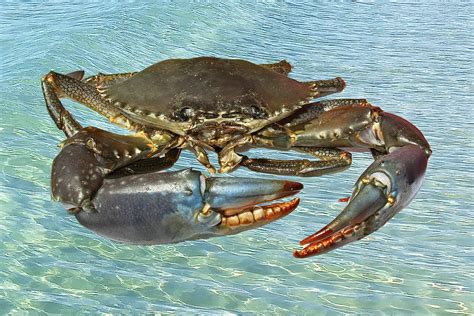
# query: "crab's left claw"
[386,187]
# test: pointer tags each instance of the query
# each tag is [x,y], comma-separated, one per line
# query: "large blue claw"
[156,208]
[386,187]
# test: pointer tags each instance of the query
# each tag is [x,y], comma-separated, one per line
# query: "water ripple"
[411,59]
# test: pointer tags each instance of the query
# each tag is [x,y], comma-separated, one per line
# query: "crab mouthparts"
[257,214]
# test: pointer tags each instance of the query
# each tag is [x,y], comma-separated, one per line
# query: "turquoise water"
[414,60]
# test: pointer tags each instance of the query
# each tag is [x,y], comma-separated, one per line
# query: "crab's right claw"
[386,187]
[140,205]
[169,207]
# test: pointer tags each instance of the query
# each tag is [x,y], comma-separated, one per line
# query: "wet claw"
[169,207]
[386,187]
[141,205]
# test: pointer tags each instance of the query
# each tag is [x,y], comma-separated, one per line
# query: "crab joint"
[293,137]
[206,209]
[391,199]
[90,143]
[121,121]
[49,77]
[205,216]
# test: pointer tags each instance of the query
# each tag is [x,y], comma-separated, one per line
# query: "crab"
[227,106]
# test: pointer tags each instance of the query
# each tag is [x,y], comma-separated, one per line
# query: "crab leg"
[61,117]
[148,164]
[280,136]
[107,79]
[88,157]
[385,188]
[332,160]
[72,87]
[201,156]
[283,67]
[323,88]
[313,110]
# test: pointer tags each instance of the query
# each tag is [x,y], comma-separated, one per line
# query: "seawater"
[412,59]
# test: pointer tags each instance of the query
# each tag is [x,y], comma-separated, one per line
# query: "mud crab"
[112,184]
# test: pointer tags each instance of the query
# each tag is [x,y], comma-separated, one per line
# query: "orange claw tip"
[309,251]
[318,247]
[299,254]
[333,241]
[292,186]
[319,235]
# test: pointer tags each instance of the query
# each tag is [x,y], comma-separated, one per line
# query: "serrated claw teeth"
[258,214]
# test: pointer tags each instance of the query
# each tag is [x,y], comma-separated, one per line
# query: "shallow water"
[414,60]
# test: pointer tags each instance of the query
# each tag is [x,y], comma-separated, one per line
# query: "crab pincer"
[158,208]
[386,187]
[113,186]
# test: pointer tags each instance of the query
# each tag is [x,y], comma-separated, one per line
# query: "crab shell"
[180,94]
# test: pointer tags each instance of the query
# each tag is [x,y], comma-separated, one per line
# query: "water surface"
[414,60]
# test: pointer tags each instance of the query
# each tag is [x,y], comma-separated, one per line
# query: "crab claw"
[385,188]
[169,207]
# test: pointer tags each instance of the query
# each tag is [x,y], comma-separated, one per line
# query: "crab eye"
[187,112]
[256,112]
[184,114]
